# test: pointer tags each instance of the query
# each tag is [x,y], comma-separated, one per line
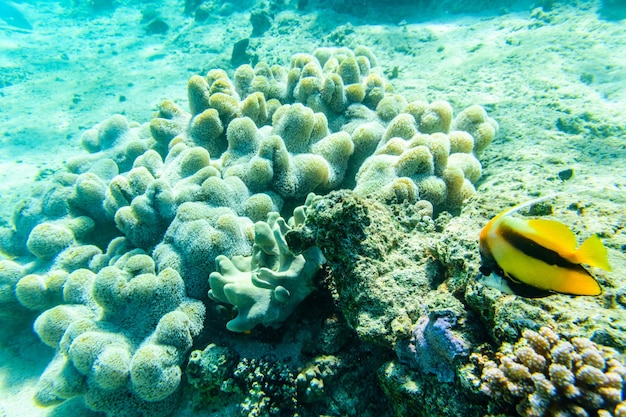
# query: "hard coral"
[546,375]
[258,386]
[269,388]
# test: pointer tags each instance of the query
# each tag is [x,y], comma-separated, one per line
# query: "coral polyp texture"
[546,375]
[114,252]
[120,335]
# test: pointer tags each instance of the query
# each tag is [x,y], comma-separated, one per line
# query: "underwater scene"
[312,208]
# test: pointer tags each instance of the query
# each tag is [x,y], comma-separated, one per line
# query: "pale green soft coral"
[124,188]
[331,79]
[115,139]
[213,102]
[266,287]
[39,292]
[147,217]
[418,145]
[270,126]
[121,336]
[44,289]
[168,123]
[198,234]
[477,123]
[144,202]
[10,274]
[105,135]
[296,157]
[47,240]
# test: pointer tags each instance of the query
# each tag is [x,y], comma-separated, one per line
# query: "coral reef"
[113,252]
[544,374]
[270,134]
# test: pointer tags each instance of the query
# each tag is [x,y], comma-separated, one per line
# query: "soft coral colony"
[114,252]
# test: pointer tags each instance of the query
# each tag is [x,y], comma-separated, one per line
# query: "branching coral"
[546,375]
[261,386]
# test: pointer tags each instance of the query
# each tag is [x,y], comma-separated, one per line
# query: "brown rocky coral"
[545,375]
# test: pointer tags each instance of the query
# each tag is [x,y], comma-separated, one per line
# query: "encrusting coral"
[434,347]
[546,375]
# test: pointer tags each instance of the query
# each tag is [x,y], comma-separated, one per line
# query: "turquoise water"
[123,179]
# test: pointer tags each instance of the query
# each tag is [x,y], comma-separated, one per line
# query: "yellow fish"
[539,256]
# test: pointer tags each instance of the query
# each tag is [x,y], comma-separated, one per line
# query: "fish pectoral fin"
[593,253]
[512,278]
[506,285]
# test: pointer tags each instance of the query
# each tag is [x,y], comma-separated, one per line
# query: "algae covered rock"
[411,393]
[383,277]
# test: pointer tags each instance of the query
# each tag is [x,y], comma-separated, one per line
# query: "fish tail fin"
[593,253]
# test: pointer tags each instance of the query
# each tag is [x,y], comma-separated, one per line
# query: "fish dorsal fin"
[593,253]
[525,204]
[553,235]
[493,223]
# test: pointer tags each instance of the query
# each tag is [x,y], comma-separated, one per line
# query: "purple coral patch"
[434,345]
